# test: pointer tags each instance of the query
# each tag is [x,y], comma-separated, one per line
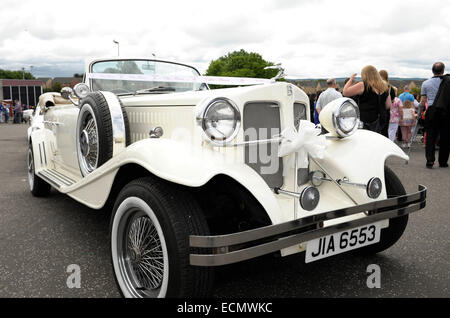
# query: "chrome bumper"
[236,247]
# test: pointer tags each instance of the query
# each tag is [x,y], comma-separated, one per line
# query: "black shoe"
[443,165]
[430,165]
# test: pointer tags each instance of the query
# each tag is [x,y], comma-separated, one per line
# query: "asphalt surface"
[41,237]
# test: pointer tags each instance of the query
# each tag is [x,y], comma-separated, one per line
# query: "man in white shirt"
[328,96]
[429,91]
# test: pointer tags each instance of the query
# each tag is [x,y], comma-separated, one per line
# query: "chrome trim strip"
[40,154]
[45,154]
[117,122]
[254,142]
[259,250]
[379,208]
[52,173]
[53,123]
[48,179]
[63,176]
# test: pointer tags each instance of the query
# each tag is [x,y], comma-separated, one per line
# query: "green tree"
[240,64]
[6,74]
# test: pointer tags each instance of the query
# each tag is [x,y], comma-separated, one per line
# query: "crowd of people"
[397,116]
[16,110]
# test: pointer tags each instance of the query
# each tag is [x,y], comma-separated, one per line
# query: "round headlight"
[346,118]
[374,187]
[220,119]
[309,198]
[81,90]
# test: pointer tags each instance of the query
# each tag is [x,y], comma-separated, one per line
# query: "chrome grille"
[300,114]
[261,120]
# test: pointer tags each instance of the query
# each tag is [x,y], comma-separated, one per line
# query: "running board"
[55,178]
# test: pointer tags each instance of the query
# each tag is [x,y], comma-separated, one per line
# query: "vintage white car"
[196,177]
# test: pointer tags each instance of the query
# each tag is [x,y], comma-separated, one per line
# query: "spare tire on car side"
[95,131]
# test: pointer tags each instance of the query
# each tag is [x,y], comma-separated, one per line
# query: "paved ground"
[39,238]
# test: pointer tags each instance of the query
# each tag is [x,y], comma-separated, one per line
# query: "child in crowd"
[396,116]
[408,121]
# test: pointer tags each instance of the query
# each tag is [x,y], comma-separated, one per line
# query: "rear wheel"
[150,228]
[38,187]
[390,235]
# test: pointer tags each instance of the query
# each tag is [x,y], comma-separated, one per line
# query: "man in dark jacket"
[442,105]
[437,92]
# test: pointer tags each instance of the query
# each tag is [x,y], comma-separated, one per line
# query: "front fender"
[359,158]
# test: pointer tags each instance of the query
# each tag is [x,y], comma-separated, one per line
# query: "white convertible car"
[196,178]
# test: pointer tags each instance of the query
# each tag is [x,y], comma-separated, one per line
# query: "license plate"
[342,242]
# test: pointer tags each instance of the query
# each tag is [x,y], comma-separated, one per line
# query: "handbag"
[431,117]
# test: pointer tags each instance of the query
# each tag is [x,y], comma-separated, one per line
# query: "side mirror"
[66,92]
[81,90]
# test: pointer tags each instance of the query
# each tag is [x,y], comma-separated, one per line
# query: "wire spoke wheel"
[150,253]
[100,130]
[145,253]
[142,260]
[88,143]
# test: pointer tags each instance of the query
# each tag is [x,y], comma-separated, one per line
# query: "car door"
[61,121]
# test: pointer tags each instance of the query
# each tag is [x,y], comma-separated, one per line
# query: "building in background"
[26,91]
[67,81]
[48,82]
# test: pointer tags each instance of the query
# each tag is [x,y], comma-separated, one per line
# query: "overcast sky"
[312,39]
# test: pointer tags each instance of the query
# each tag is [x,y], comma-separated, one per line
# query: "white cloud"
[320,38]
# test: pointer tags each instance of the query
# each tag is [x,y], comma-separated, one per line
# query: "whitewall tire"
[139,251]
[150,227]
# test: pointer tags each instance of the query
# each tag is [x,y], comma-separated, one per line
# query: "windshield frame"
[91,65]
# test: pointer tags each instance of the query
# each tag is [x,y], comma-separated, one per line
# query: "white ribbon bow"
[303,143]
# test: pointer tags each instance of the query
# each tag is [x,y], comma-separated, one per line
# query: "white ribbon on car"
[306,142]
[215,80]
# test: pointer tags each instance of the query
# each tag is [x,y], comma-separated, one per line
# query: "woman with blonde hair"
[392,93]
[373,95]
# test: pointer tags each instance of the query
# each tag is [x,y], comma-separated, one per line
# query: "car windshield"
[143,76]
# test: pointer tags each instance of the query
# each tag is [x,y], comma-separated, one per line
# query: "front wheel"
[150,228]
[391,234]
